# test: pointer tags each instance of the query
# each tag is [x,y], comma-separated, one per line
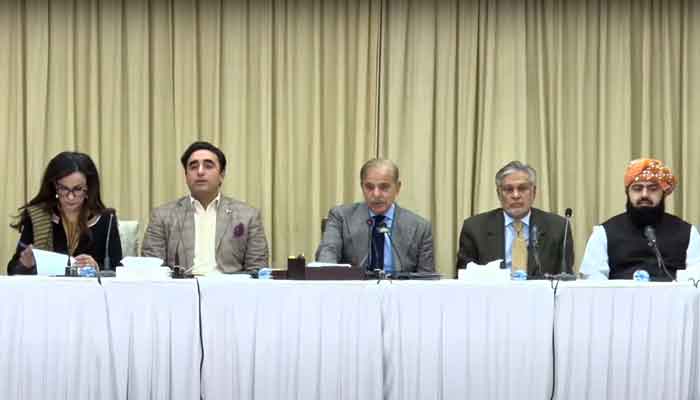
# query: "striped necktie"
[378,244]
[519,249]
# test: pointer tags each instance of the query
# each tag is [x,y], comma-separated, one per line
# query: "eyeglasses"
[509,190]
[77,192]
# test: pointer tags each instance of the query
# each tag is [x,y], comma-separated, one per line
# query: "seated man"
[619,247]
[504,233]
[206,232]
[361,233]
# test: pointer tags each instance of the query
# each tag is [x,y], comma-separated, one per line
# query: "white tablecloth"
[445,340]
[155,333]
[54,340]
[628,342]
[72,339]
[291,340]
[695,365]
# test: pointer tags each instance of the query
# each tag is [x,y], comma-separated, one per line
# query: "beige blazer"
[240,236]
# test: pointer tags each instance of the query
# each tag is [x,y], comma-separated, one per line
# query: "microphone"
[176,258]
[107,262]
[69,267]
[650,235]
[370,245]
[564,269]
[534,236]
[366,261]
[534,243]
[383,229]
[564,274]
[176,261]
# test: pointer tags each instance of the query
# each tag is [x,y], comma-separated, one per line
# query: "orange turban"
[648,169]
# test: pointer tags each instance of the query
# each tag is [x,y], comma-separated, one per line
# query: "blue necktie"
[378,246]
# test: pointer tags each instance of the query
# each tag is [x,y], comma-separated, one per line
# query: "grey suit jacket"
[347,236]
[240,236]
[483,240]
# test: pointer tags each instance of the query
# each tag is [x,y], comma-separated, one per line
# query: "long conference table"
[228,338]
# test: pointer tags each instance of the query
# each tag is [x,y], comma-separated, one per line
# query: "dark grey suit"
[483,240]
[346,238]
[240,237]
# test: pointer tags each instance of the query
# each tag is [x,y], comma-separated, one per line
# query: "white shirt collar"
[507,219]
[214,204]
[389,214]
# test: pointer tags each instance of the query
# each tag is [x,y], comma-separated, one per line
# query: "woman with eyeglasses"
[67,216]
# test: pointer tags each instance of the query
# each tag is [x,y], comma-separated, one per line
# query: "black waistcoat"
[628,249]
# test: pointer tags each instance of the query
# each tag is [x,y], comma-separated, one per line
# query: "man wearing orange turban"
[622,245]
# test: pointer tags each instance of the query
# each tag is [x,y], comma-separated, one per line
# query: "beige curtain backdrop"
[299,93]
[575,88]
[286,89]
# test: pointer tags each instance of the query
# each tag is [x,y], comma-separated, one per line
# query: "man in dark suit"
[505,233]
[362,233]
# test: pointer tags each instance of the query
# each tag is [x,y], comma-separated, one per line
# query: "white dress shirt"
[205,237]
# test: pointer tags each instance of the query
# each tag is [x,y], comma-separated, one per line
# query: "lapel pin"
[238,230]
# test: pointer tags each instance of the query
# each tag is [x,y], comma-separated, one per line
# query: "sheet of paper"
[49,263]
[317,264]
[495,264]
[490,272]
[142,262]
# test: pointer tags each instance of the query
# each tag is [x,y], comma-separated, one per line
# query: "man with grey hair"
[505,233]
[377,234]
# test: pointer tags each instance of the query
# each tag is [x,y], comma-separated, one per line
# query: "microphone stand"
[107,261]
[662,264]
[564,274]
[534,246]
[650,235]
[69,267]
[564,267]
[387,236]
[370,254]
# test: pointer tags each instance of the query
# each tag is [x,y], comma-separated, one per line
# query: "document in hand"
[49,263]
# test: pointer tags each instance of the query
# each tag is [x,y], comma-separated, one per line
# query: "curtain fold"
[575,88]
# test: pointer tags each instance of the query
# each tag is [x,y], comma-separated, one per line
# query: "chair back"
[129,235]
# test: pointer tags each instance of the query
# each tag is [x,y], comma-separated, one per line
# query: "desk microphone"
[650,235]
[107,264]
[564,274]
[370,247]
[69,267]
[534,245]
[176,259]
[383,229]
[564,265]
